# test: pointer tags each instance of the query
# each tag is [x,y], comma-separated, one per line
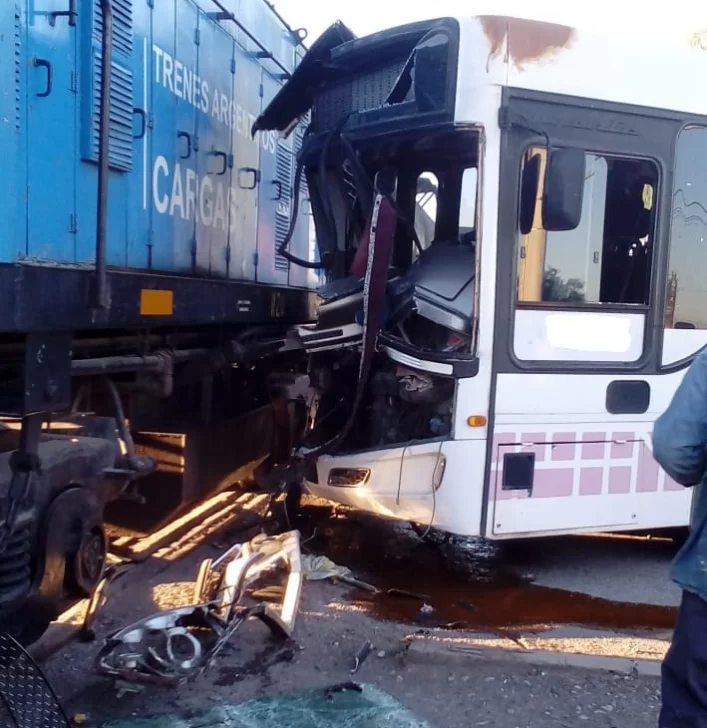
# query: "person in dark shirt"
[680,447]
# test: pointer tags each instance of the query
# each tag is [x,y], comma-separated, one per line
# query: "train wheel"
[86,567]
[74,547]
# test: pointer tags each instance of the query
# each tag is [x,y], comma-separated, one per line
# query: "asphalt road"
[476,694]
[334,620]
[623,569]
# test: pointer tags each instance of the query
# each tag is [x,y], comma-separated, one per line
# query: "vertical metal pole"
[100,298]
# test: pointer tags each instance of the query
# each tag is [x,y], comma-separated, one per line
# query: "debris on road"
[341,688]
[177,645]
[363,652]
[223,582]
[171,543]
[467,605]
[99,598]
[319,568]
[347,704]
[404,594]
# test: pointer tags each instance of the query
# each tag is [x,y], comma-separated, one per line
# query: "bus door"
[578,377]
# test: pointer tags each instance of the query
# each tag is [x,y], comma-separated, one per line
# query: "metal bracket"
[71,14]
[47,375]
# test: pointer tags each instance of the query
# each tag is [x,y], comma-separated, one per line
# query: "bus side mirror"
[529,185]
[564,190]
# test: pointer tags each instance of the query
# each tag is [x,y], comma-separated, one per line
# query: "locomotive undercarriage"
[78,444]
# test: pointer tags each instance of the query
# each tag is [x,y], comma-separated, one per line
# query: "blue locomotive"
[186,188]
[141,263]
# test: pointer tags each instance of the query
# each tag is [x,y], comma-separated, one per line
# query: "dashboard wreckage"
[396,323]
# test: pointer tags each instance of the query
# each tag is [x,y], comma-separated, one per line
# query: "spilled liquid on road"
[468,583]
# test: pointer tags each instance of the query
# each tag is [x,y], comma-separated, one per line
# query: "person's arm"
[680,433]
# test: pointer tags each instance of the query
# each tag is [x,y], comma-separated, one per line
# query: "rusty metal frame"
[144,652]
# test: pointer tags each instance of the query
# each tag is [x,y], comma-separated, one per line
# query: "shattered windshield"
[430,181]
[426,204]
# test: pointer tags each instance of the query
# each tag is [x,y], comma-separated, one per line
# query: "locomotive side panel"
[190,191]
[14,74]
[50,134]
[246,153]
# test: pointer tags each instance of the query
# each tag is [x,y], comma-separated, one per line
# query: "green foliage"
[556,288]
[698,39]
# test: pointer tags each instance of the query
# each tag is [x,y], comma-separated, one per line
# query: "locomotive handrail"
[100,291]
[295,31]
[225,14]
[71,14]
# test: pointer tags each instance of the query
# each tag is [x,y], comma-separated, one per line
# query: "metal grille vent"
[26,698]
[284,163]
[122,26]
[362,93]
[121,115]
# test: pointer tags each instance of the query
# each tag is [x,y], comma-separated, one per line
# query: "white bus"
[502,377]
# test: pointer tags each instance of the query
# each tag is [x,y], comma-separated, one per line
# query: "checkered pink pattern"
[569,464]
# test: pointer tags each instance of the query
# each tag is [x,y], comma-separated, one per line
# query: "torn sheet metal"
[225,581]
[362,654]
[174,646]
[296,97]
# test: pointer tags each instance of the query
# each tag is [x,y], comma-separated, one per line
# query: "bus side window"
[686,296]
[607,258]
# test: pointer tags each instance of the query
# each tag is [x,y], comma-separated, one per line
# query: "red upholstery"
[385,234]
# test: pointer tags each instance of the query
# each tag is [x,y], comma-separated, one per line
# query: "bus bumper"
[425,483]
